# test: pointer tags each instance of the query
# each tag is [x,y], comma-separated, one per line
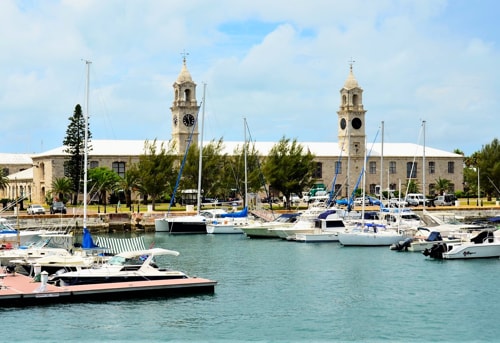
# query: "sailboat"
[233,221]
[189,224]
[369,233]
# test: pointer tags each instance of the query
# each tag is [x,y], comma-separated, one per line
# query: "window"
[93,164]
[373,167]
[432,167]
[373,188]
[338,167]
[392,167]
[411,170]
[119,168]
[318,171]
[451,167]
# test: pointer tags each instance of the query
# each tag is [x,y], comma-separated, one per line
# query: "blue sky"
[279,64]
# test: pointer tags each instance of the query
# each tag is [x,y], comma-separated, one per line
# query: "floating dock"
[21,290]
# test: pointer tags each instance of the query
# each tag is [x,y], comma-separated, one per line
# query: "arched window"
[354,99]
[187,95]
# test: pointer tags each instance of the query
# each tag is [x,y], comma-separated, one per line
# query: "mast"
[245,156]
[200,161]
[86,137]
[423,165]
[382,164]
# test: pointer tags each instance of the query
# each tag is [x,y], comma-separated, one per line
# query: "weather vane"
[351,62]
[184,54]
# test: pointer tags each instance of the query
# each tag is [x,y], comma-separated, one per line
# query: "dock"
[19,290]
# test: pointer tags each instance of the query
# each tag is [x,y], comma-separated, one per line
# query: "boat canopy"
[239,214]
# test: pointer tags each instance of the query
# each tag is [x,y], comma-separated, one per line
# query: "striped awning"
[117,245]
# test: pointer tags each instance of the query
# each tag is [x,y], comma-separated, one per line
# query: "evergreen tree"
[75,147]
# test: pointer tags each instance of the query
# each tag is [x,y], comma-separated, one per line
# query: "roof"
[319,149]
[26,174]
[6,158]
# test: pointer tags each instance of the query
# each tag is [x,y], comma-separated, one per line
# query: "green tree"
[75,147]
[4,180]
[101,181]
[128,183]
[412,187]
[442,185]
[214,179]
[488,164]
[288,169]
[156,172]
[62,187]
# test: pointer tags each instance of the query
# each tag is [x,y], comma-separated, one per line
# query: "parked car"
[359,201]
[417,199]
[35,209]
[57,207]
[397,202]
[445,200]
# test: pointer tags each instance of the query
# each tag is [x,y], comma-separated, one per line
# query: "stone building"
[387,165]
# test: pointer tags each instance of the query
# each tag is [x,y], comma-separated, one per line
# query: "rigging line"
[363,169]
[261,175]
[190,140]
[334,181]
[414,159]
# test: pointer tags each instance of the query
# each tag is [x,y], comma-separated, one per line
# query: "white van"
[417,199]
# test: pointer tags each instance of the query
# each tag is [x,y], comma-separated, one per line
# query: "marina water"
[272,290]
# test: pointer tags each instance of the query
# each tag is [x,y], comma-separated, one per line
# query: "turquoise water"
[273,290]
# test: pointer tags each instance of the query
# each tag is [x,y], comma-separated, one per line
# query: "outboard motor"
[402,245]
[436,251]
[10,268]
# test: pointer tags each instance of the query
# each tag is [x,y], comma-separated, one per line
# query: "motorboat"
[11,237]
[425,239]
[229,222]
[486,244]
[191,224]
[323,228]
[138,265]
[44,245]
[370,234]
[265,229]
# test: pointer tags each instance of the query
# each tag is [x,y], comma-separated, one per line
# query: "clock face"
[188,120]
[356,123]
[343,123]
[176,120]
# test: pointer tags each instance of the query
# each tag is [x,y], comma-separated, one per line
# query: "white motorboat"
[11,237]
[229,222]
[47,244]
[370,234]
[265,229]
[138,265]
[486,244]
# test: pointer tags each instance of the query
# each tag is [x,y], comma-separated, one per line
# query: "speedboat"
[265,229]
[138,265]
[486,244]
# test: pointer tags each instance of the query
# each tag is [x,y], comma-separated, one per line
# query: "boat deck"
[21,290]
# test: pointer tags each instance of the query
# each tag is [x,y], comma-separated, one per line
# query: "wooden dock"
[21,290]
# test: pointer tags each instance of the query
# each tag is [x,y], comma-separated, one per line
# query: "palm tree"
[128,183]
[442,185]
[62,186]
[4,180]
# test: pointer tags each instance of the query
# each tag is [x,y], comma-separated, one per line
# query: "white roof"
[319,149]
[26,174]
[6,158]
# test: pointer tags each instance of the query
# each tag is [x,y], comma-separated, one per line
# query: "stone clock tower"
[184,110]
[351,130]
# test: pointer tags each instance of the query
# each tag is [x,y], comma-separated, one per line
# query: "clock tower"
[184,110]
[351,129]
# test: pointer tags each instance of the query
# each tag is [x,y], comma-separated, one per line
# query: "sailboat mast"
[86,138]
[200,161]
[423,165]
[245,156]
[382,165]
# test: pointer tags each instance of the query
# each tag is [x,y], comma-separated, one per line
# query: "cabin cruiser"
[138,265]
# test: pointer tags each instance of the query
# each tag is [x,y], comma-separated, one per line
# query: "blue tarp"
[87,241]
[240,214]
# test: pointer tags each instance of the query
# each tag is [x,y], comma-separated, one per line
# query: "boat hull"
[369,238]
[175,226]
[471,251]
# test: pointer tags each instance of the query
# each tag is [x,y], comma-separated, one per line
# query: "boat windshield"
[124,261]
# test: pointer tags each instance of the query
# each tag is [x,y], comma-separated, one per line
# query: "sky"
[278,63]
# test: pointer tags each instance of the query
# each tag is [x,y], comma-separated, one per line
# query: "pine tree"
[75,147]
